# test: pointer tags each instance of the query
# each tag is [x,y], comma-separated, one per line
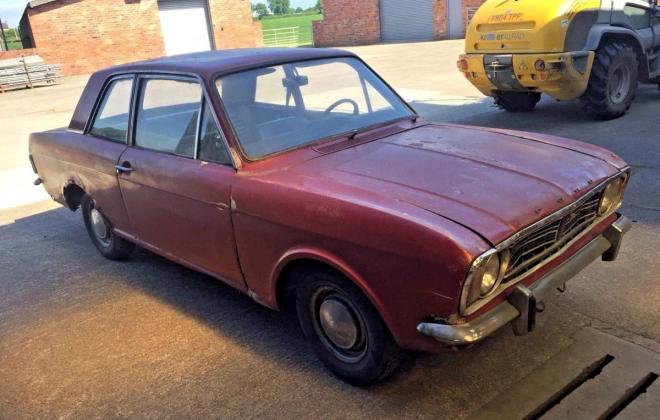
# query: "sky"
[12,10]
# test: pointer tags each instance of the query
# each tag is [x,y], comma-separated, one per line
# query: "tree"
[319,6]
[279,7]
[261,9]
[299,10]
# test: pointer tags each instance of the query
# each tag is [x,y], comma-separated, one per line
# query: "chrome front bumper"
[520,308]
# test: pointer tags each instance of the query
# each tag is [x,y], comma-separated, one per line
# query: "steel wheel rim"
[99,227]
[338,325]
[619,85]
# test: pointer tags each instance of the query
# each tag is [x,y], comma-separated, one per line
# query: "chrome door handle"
[123,169]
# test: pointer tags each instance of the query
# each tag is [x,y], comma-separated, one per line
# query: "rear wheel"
[344,328]
[613,82]
[517,101]
[100,231]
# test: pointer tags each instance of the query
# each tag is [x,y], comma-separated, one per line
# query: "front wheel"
[613,82]
[344,328]
[517,101]
[104,239]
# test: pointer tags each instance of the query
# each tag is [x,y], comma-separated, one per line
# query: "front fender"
[598,32]
[306,253]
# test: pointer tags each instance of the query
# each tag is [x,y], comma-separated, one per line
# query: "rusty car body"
[382,231]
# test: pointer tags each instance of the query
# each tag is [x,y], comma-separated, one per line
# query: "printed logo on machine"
[508,16]
[509,36]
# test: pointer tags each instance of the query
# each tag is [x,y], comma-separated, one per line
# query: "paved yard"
[82,337]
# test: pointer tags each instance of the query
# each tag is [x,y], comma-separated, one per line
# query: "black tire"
[613,82]
[517,101]
[110,246]
[374,357]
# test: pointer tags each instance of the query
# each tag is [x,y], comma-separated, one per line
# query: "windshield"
[277,108]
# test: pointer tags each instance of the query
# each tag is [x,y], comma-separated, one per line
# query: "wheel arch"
[283,283]
[73,194]
[602,35]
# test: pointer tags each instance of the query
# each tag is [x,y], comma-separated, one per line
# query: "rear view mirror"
[296,81]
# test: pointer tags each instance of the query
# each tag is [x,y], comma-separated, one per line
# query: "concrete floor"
[82,337]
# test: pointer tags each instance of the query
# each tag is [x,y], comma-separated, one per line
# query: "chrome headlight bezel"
[612,195]
[488,267]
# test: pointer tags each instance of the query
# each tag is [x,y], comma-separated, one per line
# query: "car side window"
[639,17]
[111,121]
[167,116]
[211,141]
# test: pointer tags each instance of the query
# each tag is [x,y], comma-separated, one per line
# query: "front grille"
[541,244]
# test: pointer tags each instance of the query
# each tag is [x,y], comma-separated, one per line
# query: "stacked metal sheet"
[27,72]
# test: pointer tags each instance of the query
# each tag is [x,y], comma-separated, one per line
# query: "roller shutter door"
[406,20]
[185,26]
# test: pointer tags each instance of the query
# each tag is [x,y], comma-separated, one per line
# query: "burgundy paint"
[402,210]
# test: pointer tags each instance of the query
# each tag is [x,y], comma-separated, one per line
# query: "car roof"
[203,64]
[210,63]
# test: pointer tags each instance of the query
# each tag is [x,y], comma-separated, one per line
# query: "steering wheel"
[356,107]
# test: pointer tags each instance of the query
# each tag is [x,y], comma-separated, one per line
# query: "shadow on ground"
[80,322]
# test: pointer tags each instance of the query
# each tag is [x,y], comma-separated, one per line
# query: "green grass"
[13,40]
[302,21]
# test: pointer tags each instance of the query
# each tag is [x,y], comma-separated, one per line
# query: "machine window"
[639,17]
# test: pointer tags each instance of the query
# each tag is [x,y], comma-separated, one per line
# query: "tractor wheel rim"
[619,85]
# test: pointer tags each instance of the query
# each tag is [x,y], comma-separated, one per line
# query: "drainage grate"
[599,376]
[632,394]
[588,373]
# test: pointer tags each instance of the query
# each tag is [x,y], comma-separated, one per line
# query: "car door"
[176,178]
[106,138]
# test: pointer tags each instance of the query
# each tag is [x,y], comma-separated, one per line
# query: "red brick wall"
[354,22]
[440,18]
[87,35]
[348,22]
[233,26]
[5,55]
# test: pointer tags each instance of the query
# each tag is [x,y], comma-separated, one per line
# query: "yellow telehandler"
[592,50]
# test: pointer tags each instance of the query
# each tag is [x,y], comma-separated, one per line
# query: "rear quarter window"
[111,120]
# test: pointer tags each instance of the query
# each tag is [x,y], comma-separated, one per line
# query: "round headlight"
[490,274]
[483,279]
[612,196]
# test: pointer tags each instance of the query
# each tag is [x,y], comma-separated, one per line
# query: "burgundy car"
[299,177]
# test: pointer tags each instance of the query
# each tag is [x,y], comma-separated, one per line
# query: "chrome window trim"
[135,73]
[87,130]
[504,245]
[139,98]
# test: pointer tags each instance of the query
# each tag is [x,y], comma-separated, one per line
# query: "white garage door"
[185,26]
[406,20]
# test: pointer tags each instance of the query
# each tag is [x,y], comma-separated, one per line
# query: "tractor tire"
[517,101]
[613,82]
